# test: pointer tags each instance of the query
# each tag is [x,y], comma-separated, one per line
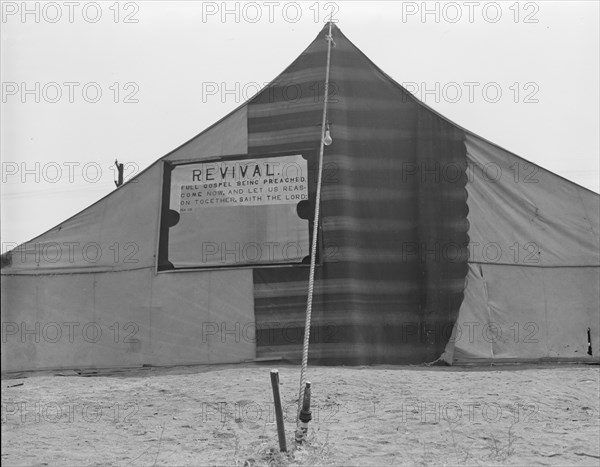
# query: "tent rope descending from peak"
[313,252]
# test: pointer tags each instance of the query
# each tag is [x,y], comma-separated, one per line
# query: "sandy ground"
[382,415]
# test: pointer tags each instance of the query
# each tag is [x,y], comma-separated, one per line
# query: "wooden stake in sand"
[278,410]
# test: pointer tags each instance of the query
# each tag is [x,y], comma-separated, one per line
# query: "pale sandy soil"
[222,415]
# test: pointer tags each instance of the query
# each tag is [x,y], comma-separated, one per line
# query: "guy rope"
[301,425]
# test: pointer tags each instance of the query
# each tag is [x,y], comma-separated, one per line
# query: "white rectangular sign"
[238,212]
[251,182]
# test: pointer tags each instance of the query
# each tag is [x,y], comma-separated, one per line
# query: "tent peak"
[333,25]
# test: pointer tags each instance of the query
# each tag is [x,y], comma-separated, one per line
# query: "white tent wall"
[68,321]
[525,313]
[514,203]
[116,233]
[127,318]
[203,317]
[86,293]
[533,286]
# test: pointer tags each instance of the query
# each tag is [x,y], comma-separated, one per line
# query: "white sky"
[176,51]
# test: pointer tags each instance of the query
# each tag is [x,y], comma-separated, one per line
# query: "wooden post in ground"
[278,410]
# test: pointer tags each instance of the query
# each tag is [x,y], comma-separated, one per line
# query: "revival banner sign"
[236,212]
[255,182]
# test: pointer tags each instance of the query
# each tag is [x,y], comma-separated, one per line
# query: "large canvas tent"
[434,243]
